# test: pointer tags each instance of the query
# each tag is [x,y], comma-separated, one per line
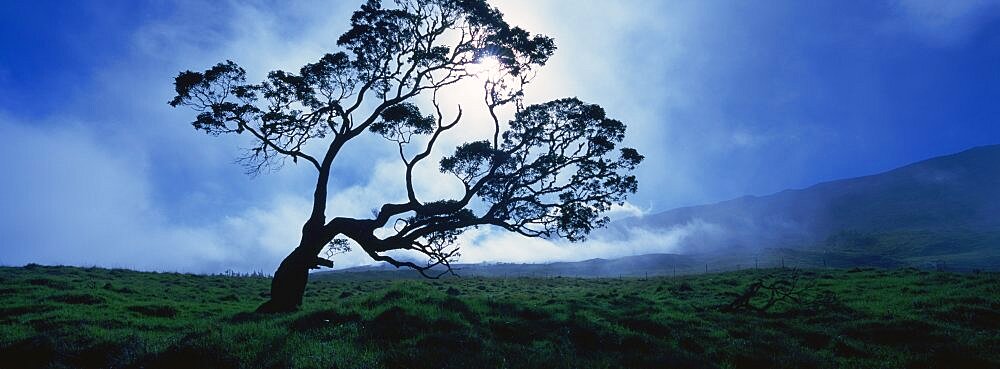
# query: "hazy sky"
[725,98]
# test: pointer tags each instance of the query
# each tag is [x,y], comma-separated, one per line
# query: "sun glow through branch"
[488,68]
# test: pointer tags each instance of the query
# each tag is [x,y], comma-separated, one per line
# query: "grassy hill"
[63,317]
[945,209]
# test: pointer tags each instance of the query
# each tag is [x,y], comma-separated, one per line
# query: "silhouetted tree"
[550,172]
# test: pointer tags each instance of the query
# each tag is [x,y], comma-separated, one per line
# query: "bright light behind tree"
[486,69]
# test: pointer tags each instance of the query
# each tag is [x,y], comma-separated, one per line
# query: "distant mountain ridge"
[945,208]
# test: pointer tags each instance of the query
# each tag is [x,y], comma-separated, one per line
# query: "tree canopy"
[550,171]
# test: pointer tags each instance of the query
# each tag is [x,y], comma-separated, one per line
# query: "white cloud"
[626,210]
[492,245]
[70,199]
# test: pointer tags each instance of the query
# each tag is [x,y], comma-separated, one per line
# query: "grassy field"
[63,317]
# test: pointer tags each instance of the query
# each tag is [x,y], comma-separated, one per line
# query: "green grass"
[63,317]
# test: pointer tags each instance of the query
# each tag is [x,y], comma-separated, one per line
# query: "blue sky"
[724,99]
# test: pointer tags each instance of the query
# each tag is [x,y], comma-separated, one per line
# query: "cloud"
[75,200]
[626,210]
[72,200]
[492,245]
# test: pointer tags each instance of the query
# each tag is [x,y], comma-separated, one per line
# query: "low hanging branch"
[550,171]
[771,290]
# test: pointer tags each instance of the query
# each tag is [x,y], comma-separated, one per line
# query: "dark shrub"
[35,352]
[459,307]
[646,326]
[191,351]
[437,350]
[911,333]
[50,283]
[396,324]
[159,311]
[12,311]
[974,316]
[683,287]
[645,352]
[79,299]
[323,319]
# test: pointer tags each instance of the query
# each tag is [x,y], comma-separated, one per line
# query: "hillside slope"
[945,208]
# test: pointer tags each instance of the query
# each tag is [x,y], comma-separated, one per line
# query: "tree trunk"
[289,283]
